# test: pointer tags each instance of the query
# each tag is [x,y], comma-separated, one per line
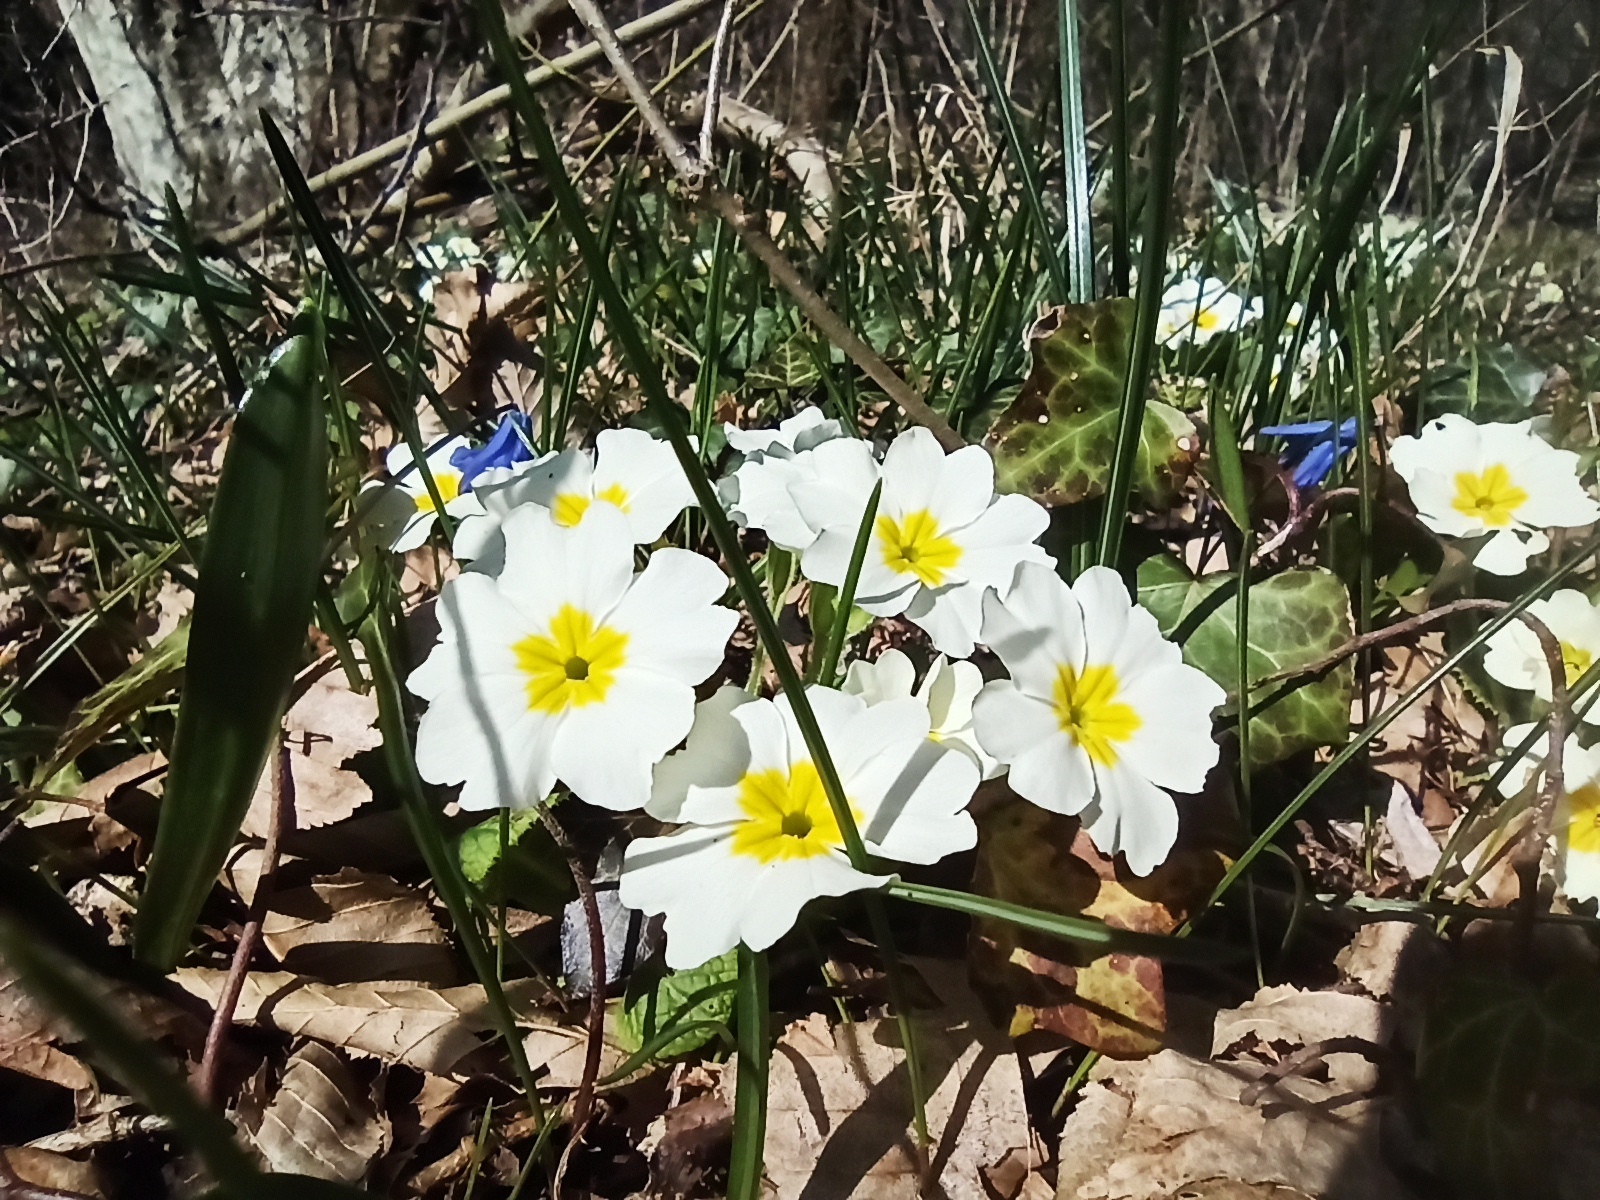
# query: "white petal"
[835,493]
[1173,745]
[674,624]
[1507,552]
[1555,497]
[606,752]
[717,754]
[890,677]
[1001,539]
[1036,629]
[785,887]
[413,533]
[1516,659]
[1581,876]
[1434,494]
[1009,723]
[951,616]
[766,748]
[922,816]
[701,886]
[918,476]
[1055,774]
[547,567]
[764,502]
[1147,818]
[647,470]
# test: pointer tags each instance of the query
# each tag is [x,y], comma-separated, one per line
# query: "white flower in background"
[1516,659]
[628,470]
[947,691]
[1503,480]
[757,494]
[1403,241]
[759,838]
[404,504]
[1576,824]
[440,258]
[567,665]
[1197,310]
[940,539]
[1100,713]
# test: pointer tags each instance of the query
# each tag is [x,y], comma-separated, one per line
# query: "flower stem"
[846,599]
[750,1087]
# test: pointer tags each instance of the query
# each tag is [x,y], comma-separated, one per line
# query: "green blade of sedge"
[258,576]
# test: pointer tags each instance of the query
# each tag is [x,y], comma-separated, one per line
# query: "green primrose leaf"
[532,872]
[1494,384]
[1056,440]
[258,576]
[693,998]
[1296,617]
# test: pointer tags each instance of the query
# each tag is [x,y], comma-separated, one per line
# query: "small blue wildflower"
[1313,448]
[509,446]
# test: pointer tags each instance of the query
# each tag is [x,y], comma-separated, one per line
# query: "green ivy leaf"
[1296,617]
[1499,1055]
[680,998]
[1496,384]
[1056,440]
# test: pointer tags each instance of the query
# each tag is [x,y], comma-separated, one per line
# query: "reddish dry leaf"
[324,729]
[28,1037]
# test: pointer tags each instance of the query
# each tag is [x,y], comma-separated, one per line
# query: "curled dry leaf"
[403,1023]
[1174,1123]
[838,1122]
[52,1171]
[28,1040]
[354,926]
[321,1121]
[324,729]
[556,1050]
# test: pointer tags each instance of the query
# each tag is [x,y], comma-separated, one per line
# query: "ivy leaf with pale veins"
[1057,439]
[681,999]
[1296,617]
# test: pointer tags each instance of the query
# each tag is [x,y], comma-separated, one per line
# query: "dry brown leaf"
[323,729]
[321,1121]
[47,1169]
[484,359]
[1440,735]
[353,926]
[406,1023]
[556,1050]
[1414,844]
[838,1122]
[1152,1129]
[28,1036]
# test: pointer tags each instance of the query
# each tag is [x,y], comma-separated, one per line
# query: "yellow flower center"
[1577,660]
[573,665]
[1208,320]
[1090,713]
[915,546]
[1491,497]
[570,506]
[449,485]
[787,816]
[1583,826]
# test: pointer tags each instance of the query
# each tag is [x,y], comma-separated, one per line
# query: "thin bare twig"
[719,66]
[1529,853]
[778,264]
[583,1100]
[453,118]
[280,822]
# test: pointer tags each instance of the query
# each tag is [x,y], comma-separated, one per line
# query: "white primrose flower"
[1576,824]
[1516,659]
[403,504]
[1197,310]
[629,470]
[1100,713]
[1503,480]
[567,665]
[758,837]
[947,690]
[940,539]
[757,494]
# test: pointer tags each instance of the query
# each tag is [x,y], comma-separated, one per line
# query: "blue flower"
[1313,448]
[508,446]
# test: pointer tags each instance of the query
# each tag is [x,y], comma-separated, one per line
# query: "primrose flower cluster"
[573,641]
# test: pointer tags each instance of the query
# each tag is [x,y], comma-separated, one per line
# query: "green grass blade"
[258,575]
[1121,153]
[839,628]
[1079,930]
[1022,151]
[128,1058]
[194,272]
[1075,158]
[1152,275]
[750,1094]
